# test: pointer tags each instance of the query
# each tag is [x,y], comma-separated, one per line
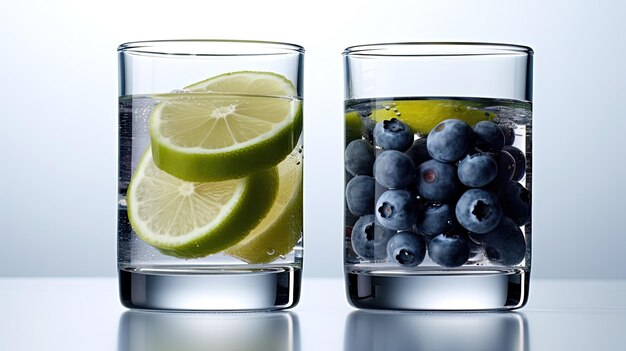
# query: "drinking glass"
[438,160]
[210,175]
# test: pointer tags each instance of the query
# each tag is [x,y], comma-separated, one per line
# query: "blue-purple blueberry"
[393,134]
[406,248]
[515,201]
[477,170]
[418,152]
[359,157]
[435,218]
[397,209]
[394,169]
[369,239]
[505,244]
[520,161]
[509,134]
[478,211]
[450,140]
[448,250]
[437,181]
[506,166]
[360,195]
[489,136]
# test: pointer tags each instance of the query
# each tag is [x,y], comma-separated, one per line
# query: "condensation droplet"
[270,251]
[387,107]
[282,257]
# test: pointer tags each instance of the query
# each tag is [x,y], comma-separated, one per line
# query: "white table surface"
[85,314]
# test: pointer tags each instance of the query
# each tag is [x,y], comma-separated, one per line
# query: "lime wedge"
[191,219]
[246,82]
[228,127]
[424,115]
[353,126]
[281,229]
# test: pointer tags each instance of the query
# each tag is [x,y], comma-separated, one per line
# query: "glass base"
[454,290]
[224,289]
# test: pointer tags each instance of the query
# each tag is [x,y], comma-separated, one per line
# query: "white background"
[58,118]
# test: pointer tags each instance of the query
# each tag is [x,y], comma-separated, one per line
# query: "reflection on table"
[153,331]
[396,331]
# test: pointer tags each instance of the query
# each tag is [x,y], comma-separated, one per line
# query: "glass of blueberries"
[438,160]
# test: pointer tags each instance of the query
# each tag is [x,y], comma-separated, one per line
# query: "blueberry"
[477,170]
[448,250]
[489,136]
[360,195]
[393,134]
[406,249]
[509,134]
[506,166]
[369,238]
[505,244]
[397,209]
[437,181]
[393,169]
[418,152]
[515,201]
[478,211]
[450,140]
[435,218]
[359,157]
[520,161]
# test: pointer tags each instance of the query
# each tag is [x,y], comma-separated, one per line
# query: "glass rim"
[209,47]
[437,49]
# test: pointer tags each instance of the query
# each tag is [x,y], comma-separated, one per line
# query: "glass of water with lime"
[210,192]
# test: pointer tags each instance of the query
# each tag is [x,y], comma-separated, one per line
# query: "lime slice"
[229,127]
[190,219]
[424,115]
[281,229]
[246,82]
[353,126]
